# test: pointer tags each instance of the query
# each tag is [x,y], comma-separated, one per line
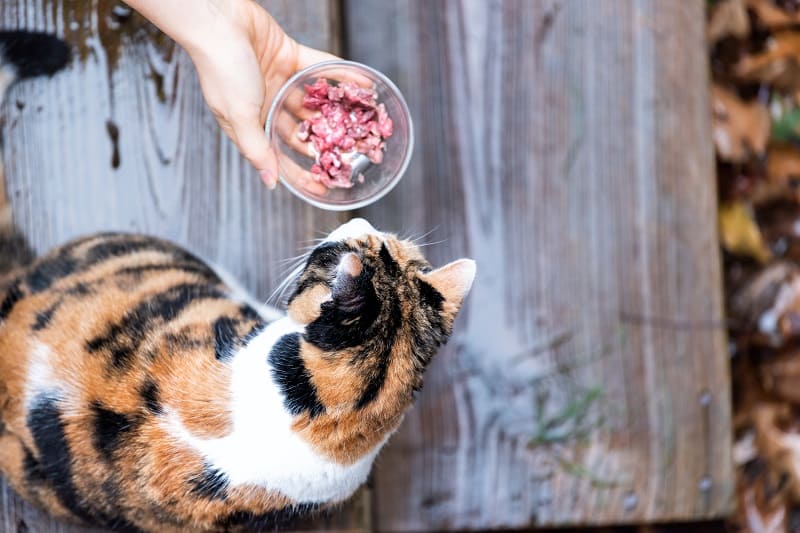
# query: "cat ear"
[452,281]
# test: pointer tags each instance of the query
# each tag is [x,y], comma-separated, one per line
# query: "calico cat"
[143,390]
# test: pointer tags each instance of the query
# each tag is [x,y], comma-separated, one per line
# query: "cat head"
[375,312]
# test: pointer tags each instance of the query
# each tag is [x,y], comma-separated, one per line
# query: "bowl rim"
[409,148]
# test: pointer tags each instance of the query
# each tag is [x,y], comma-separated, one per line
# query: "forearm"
[191,23]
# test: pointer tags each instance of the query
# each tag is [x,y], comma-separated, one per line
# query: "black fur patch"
[210,483]
[150,397]
[115,521]
[129,244]
[429,296]
[123,339]
[124,245]
[429,331]
[266,521]
[33,53]
[389,263]
[47,429]
[110,427]
[319,266]
[249,313]
[13,295]
[34,473]
[79,289]
[346,319]
[225,337]
[190,268]
[181,341]
[43,318]
[327,255]
[377,376]
[14,250]
[253,333]
[49,271]
[291,375]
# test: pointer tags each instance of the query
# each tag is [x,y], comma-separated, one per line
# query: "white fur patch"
[357,227]
[40,374]
[262,448]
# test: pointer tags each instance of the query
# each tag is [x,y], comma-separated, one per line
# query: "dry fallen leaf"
[782,177]
[739,232]
[768,308]
[755,49]
[783,170]
[759,516]
[728,19]
[780,375]
[778,65]
[760,293]
[740,129]
[772,16]
[779,444]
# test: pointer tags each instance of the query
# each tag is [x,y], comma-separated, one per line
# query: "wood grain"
[565,146]
[122,140]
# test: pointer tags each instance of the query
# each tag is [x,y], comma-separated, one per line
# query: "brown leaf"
[780,375]
[757,515]
[781,181]
[760,292]
[768,307]
[772,16]
[739,232]
[740,129]
[778,65]
[783,171]
[728,19]
[779,445]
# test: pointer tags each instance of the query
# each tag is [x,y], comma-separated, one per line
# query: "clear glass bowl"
[295,157]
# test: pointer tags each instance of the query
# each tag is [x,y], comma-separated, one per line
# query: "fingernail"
[268,179]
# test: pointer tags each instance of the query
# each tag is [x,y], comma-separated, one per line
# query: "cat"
[142,389]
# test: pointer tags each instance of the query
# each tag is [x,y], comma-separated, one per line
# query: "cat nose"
[357,227]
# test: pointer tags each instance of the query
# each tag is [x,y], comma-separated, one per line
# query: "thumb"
[253,145]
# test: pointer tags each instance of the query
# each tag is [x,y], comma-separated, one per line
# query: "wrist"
[195,25]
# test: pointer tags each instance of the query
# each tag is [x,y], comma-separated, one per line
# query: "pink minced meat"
[349,120]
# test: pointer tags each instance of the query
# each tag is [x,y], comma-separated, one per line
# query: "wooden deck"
[565,145]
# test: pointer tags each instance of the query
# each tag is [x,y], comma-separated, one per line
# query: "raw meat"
[349,119]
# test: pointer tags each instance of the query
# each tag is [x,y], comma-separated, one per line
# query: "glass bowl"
[297,156]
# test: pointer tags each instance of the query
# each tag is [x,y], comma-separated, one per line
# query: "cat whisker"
[280,290]
[292,259]
[292,264]
[424,244]
[418,238]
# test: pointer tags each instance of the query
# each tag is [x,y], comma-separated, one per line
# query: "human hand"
[243,57]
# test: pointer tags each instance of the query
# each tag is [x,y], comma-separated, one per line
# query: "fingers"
[309,56]
[287,129]
[302,178]
[256,149]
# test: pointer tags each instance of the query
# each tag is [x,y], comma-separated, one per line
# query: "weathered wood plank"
[564,145]
[123,140]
